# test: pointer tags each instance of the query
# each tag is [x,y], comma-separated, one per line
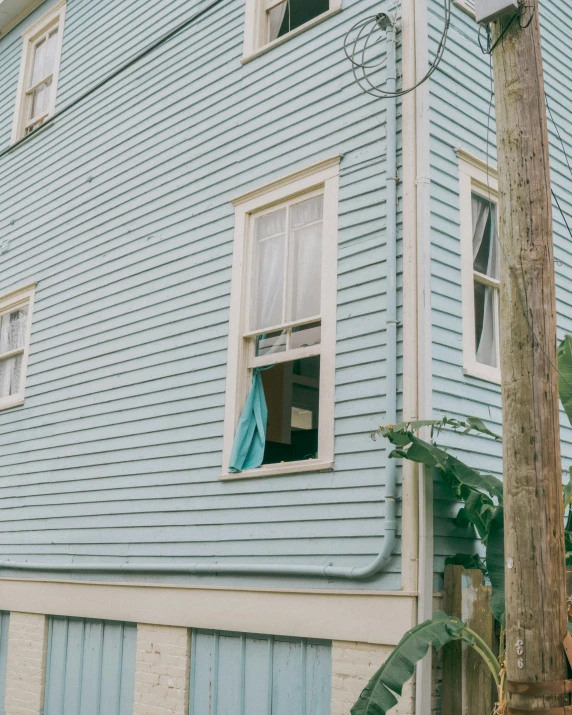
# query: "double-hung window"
[480,253]
[269,22]
[39,70]
[282,325]
[15,326]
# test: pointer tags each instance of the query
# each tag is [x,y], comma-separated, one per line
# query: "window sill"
[293,33]
[6,404]
[271,470]
[483,372]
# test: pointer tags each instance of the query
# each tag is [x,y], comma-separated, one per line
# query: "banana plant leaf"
[565,374]
[467,561]
[379,695]
[453,469]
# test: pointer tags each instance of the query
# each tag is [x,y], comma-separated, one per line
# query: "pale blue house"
[201,210]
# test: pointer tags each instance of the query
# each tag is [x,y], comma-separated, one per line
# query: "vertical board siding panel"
[127,670]
[256,676]
[91,668]
[318,678]
[259,675]
[4,625]
[287,691]
[74,667]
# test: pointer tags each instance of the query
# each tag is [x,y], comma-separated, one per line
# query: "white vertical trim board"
[55,17]
[21,298]
[318,179]
[475,177]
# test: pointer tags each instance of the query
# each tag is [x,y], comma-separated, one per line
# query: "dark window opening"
[292,392]
[293,13]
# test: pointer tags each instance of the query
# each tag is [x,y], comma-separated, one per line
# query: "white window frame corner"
[475,177]
[324,177]
[23,296]
[255,28]
[56,14]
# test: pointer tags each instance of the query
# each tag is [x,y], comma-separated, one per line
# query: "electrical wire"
[357,49]
[112,75]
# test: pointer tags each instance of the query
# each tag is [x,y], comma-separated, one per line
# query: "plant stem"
[486,654]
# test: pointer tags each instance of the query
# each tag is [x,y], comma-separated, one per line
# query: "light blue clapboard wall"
[245,674]
[121,211]
[90,667]
[460,98]
[4,625]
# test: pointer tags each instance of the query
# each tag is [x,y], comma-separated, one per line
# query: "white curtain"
[12,337]
[306,249]
[269,274]
[275,18]
[487,344]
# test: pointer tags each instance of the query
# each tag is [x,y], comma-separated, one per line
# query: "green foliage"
[482,494]
[379,695]
[565,374]
[467,561]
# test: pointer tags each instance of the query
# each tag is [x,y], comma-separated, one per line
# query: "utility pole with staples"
[536,617]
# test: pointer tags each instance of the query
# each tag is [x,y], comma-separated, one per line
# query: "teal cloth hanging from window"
[249,441]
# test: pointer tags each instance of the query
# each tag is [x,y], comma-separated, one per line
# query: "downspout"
[386,23]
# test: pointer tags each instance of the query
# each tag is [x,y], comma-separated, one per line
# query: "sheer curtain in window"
[275,19]
[306,258]
[486,261]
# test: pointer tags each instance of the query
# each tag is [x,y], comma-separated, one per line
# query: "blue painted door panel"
[91,667]
[4,624]
[245,674]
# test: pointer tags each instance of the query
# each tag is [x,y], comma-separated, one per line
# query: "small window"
[480,251]
[15,323]
[268,22]
[284,322]
[286,15]
[486,280]
[39,71]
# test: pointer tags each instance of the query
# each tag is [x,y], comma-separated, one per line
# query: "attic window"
[283,16]
[39,70]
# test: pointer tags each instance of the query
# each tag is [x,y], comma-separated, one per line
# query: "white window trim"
[255,25]
[56,14]
[324,176]
[475,177]
[465,7]
[18,299]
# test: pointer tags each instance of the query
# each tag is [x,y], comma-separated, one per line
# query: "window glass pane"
[485,237]
[13,330]
[10,371]
[271,343]
[306,335]
[51,52]
[39,60]
[40,100]
[486,324]
[292,392]
[292,14]
[268,273]
[305,259]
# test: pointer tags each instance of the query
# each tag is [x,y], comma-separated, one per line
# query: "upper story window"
[480,256]
[39,70]
[281,358]
[269,22]
[15,327]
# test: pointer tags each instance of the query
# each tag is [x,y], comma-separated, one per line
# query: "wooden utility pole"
[534,525]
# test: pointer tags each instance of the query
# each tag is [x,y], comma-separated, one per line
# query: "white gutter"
[424,342]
